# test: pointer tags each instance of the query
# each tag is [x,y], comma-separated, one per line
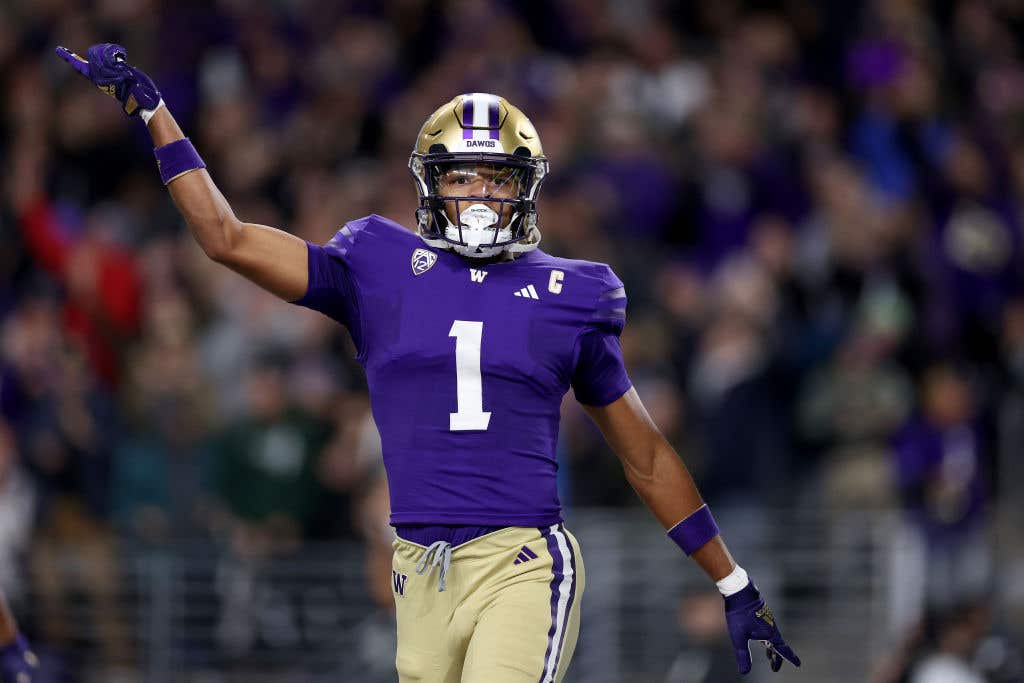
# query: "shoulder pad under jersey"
[371,233]
[595,288]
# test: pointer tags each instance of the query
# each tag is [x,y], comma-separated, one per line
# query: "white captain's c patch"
[555,281]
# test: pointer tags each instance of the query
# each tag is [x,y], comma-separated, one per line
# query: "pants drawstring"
[442,557]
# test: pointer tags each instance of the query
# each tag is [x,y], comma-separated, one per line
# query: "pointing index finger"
[785,650]
[774,658]
[78,63]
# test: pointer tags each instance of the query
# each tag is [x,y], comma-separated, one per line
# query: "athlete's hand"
[749,618]
[107,68]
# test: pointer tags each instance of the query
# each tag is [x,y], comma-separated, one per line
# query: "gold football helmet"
[482,142]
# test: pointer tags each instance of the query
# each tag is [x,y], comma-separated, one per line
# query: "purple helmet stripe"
[467,118]
[492,117]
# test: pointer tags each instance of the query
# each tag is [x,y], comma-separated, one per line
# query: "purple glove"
[107,69]
[17,663]
[749,618]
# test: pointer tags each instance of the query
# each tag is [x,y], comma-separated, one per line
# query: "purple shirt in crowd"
[467,366]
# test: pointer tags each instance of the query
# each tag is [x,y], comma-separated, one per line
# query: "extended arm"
[657,473]
[272,258]
[660,478]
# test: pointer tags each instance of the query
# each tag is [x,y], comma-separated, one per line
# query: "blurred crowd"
[816,208]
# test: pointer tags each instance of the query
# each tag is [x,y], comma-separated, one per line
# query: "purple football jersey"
[467,366]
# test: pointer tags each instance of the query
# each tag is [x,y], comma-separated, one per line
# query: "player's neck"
[500,258]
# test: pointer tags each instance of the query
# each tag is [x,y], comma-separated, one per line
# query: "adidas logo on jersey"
[527,292]
[525,555]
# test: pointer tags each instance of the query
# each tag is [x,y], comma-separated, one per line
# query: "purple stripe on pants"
[557,575]
[556,579]
[467,118]
[572,595]
[492,118]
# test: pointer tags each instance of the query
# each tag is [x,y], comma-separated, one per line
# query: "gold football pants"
[510,611]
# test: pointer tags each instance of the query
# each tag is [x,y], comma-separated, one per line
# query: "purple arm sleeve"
[331,291]
[600,374]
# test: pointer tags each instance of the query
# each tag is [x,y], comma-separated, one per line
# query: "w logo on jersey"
[477,275]
[422,260]
[398,581]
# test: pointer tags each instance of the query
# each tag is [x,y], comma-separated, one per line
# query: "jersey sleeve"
[599,372]
[330,289]
[333,286]
[351,277]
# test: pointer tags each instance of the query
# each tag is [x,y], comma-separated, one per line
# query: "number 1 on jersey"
[468,383]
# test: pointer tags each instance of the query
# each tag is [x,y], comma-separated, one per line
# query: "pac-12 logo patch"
[422,261]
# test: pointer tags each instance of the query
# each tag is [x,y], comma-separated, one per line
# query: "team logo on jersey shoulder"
[422,261]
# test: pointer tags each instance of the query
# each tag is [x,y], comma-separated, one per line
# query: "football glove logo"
[765,613]
[422,261]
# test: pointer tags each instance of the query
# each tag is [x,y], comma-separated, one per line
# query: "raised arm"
[658,475]
[272,258]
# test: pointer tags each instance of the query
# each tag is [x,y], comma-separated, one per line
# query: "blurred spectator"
[17,509]
[943,461]
[733,385]
[961,642]
[707,655]
[163,451]
[100,279]
[351,470]
[265,467]
[954,636]
[64,428]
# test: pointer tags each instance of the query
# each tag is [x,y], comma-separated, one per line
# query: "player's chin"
[482,252]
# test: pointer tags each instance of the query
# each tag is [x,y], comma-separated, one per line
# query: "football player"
[18,664]
[470,336]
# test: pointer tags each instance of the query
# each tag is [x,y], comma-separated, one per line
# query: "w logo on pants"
[398,581]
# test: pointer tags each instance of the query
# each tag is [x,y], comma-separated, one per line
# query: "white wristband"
[147,114]
[734,583]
